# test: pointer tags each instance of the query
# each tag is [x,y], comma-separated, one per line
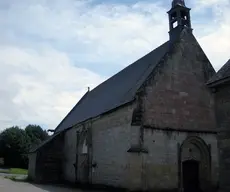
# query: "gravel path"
[6,185]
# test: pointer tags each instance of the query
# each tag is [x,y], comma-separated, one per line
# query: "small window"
[84,147]
[175,24]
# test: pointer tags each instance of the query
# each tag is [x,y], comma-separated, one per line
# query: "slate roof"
[116,91]
[223,73]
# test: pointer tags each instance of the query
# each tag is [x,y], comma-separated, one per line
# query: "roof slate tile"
[116,91]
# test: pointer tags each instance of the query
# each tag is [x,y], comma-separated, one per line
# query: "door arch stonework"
[195,149]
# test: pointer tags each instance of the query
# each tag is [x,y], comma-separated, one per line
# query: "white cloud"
[210,3]
[100,30]
[216,43]
[44,86]
[48,49]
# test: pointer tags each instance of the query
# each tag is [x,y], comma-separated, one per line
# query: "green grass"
[17,171]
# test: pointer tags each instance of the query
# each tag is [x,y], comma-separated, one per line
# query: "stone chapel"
[152,126]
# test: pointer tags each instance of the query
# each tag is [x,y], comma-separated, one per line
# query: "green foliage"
[15,144]
[36,134]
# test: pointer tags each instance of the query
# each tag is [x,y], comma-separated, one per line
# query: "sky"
[52,50]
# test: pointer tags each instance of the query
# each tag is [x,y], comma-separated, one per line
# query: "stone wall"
[32,166]
[76,165]
[49,164]
[161,163]
[111,137]
[223,123]
[177,96]
[70,153]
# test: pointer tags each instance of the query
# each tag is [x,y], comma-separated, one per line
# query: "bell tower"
[179,18]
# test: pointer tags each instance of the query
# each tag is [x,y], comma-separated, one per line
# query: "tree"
[14,146]
[36,134]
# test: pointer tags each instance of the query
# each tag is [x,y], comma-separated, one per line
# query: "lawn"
[18,171]
[15,171]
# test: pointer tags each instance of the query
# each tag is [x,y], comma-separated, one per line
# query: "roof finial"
[178,2]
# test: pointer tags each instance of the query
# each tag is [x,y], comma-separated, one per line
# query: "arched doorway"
[195,165]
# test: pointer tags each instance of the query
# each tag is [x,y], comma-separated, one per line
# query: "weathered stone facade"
[169,149]
[114,156]
[163,139]
[46,164]
[176,99]
[222,93]
[108,140]
[32,166]
[113,135]
[176,96]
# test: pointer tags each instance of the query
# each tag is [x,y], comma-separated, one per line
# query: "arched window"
[84,147]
